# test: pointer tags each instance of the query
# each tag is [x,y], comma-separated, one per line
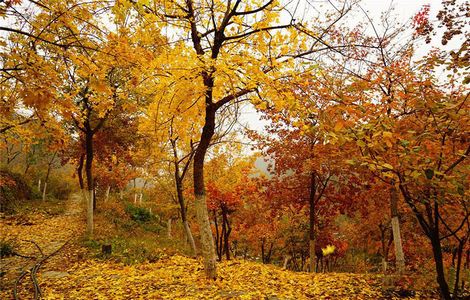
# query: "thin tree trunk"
[286,261]
[189,236]
[217,236]
[459,263]
[313,188]
[107,192]
[89,215]
[44,191]
[90,185]
[228,230]
[400,257]
[39,185]
[168,228]
[202,215]
[441,279]
[80,177]
[80,171]
[183,211]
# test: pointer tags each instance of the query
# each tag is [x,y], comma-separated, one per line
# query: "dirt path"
[36,234]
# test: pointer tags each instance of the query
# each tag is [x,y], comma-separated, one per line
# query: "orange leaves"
[180,277]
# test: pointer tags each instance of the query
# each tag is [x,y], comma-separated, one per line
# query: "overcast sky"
[403,11]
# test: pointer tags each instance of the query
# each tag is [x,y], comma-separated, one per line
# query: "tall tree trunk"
[89,178]
[217,236]
[286,261]
[190,237]
[311,233]
[80,176]
[39,185]
[181,202]
[399,255]
[437,252]
[207,240]
[459,264]
[44,191]
[80,171]
[222,239]
[227,232]
[107,192]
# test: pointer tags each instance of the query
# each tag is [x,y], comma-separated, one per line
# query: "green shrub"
[139,214]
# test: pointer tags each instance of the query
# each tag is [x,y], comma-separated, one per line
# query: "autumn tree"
[412,134]
[237,50]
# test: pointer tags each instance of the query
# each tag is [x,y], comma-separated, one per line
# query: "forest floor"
[73,273]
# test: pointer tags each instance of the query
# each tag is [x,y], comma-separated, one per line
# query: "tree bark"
[80,171]
[207,240]
[107,192]
[437,252]
[190,237]
[181,202]
[227,230]
[80,177]
[44,191]
[311,201]
[89,177]
[89,214]
[286,261]
[399,255]
[459,263]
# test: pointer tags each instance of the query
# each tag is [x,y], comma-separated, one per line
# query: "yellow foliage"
[330,249]
[178,277]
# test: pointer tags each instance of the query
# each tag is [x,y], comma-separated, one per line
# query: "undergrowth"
[135,234]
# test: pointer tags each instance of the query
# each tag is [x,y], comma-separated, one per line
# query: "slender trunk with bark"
[81,161]
[217,236]
[311,234]
[183,211]
[399,255]
[227,230]
[440,273]
[80,171]
[190,237]
[44,191]
[39,185]
[107,192]
[202,215]
[286,261]
[459,263]
[89,177]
